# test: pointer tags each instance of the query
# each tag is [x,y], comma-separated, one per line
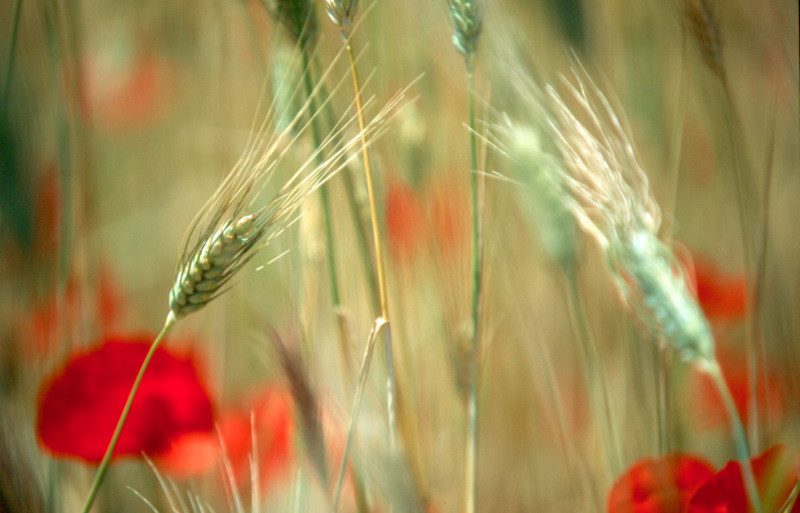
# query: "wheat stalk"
[610,197]
[467,18]
[224,237]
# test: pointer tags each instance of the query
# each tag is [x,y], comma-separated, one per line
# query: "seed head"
[342,13]
[543,178]
[611,200]
[241,217]
[467,17]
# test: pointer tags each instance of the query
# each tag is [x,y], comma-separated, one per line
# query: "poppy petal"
[80,404]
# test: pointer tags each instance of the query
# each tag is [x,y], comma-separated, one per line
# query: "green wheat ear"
[467,17]
[201,278]
[342,13]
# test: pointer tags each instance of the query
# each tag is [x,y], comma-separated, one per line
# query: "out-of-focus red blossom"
[55,315]
[722,296]
[662,485]
[450,217]
[190,454]
[118,96]
[406,223]
[47,219]
[776,471]
[707,406]
[41,329]
[109,303]
[273,424]
[80,404]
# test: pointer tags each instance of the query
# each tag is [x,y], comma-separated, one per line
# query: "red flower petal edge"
[723,297]
[273,425]
[80,404]
[776,471]
[707,406]
[659,485]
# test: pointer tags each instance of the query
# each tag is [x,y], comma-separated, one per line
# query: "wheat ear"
[223,238]
[342,13]
[612,201]
[467,18]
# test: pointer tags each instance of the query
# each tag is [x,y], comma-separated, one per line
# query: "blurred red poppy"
[273,426]
[121,94]
[776,471]
[43,328]
[47,219]
[79,405]
[190,454]
[722,296]
[662,485]
[406,223]
[450,216]
[707,405]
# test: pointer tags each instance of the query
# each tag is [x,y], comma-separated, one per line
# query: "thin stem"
[376,232]
[471,450]
[326,204]
[792,499]
[748,209]
[373,204]
[358,220]
[12,46]
[737,430]
[362,379]
[661,367]
[596,378]
[103,467]
[326,210]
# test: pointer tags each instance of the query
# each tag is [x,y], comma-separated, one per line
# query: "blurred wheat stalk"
[572,149]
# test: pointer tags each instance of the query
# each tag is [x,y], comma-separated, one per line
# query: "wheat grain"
[609,195]
[467,18]
[232,227]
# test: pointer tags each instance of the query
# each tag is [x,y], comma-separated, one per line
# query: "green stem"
[103,467]
[12,46]
[330,252]
[737,430]
[359,221]
[362,380]
[379,263]
[471,454]
[595,377]
[748,209]
[320,158]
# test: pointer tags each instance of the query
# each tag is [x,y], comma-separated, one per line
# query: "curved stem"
[362,380]
[595,376]
[737,429]
[376,232]
[103,467]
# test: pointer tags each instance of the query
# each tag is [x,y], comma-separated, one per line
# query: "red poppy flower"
[47,219]
[776,471]
[662,485]
[707,405]
[124,94]
[450,217]
[190,454]
[405,220]
[43,327]
[722,296]
[273,425]
[80,404]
